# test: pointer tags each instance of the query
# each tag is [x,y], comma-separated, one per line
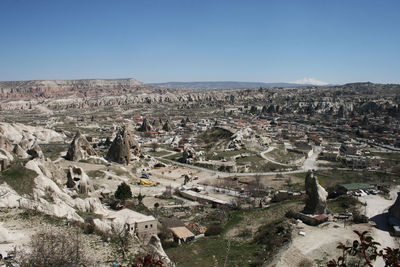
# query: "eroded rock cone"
[35,151]
[20,153]
[157,124]
[5,143]
[122,147]
[145,127]
[167,126]
[316,201]
[79,148]
[78,179]
[394,210]
[188,153]
[25,144]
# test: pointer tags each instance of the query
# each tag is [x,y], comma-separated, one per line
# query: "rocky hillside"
[42,89]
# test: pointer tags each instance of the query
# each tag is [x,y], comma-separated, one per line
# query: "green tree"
[123,192]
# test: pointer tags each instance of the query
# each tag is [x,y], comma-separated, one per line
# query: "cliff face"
[42,89]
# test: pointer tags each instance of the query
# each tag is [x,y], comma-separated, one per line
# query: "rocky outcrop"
[167,126]
[188,155]
[25,144]
[394,210]
[35,151]
[20,153]
[77,179]
[5,159]
[145,127]
[5,143]
[316,201]
[157,124]
[79,148]
[156,248]
[42,89]
[123,146]
[16,132]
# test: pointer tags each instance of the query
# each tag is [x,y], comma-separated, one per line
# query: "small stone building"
[141,225]
[182,234]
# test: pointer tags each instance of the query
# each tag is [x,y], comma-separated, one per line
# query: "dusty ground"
[320,242]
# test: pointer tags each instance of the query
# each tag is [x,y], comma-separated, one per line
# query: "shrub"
[56,248]
[89,226]
[360,218]
[123,191]
[246,232]
[169,244]
[291,214]
[213,229]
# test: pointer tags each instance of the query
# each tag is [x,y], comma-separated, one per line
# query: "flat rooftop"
[129,215]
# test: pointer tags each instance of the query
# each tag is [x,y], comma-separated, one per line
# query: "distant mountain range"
[224,85]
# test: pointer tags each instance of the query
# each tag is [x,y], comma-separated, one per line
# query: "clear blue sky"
[336,41]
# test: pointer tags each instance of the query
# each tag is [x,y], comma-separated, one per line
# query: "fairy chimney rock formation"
[145,127]
[157,124]
[35,151]
[77,179]
[122,148]
[316,201]
[167,126]
[79,148]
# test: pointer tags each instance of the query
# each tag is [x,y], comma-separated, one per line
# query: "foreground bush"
[364,252]
[56,248]
[213,229]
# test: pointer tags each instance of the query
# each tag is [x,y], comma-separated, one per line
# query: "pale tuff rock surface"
[19,152]
[157,249]
[123,146]
[25,144]
[78,180]
[15,132]
[188,153]
[79,148]
[8,197]
[316,201]
[35,151]
[5,143]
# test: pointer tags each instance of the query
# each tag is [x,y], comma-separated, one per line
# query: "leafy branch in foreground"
[363,252]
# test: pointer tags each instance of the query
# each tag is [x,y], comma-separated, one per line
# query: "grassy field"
[266,166]
[262,228]
[218,155]
[53,151]
[258,164]
[175,156]
[159,153]
[282,155]
[212,251]
[19,178]
[343,203]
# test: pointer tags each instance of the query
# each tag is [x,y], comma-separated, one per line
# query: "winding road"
[309,164]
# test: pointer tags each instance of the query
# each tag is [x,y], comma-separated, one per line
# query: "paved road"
[226,174]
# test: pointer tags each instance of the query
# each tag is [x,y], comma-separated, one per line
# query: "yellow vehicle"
[146,182]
